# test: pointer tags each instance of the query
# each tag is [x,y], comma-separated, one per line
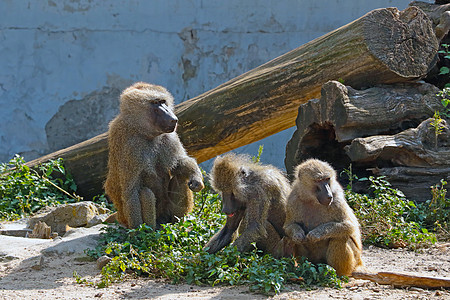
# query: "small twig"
[59,188]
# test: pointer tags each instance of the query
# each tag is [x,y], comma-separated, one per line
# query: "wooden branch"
[399,279]
[384,46]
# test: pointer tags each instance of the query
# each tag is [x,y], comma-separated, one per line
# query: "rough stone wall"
[63,63]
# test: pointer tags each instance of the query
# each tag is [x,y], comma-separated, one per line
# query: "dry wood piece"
[399,279]
[326,125]
[383,46]
[41,231]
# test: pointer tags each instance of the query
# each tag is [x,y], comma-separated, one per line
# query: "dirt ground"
[43,269]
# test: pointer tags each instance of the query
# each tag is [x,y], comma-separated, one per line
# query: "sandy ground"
[43,269]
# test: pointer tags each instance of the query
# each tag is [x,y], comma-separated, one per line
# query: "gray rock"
[61,218]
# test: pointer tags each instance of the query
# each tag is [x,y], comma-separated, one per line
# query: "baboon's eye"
[162,101]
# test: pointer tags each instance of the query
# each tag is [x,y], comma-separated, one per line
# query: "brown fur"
[148,168]
[257,194]
[323,233]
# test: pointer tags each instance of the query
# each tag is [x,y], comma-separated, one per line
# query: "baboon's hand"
[298,237]
[313,236]
[195,185]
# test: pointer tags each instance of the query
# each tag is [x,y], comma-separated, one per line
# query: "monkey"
[150,177]
[319,222]
[254,199]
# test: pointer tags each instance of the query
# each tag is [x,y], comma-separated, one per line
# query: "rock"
[63,217]
[75,241]
[103,261]
[4,257]
[39,265]
[16,232]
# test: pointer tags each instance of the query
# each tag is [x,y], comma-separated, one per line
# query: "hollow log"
[326,125]
[383,46]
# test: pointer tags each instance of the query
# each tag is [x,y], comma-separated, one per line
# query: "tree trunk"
[384,46]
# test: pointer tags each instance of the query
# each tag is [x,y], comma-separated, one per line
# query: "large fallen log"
[383,46]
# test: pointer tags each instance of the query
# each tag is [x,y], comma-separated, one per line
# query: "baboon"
[319,221]
[254,200]
[149,173]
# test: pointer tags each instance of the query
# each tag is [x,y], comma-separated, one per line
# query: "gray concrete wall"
[63,63]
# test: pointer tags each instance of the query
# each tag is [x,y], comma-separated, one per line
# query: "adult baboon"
[319,221]
[254,199]
[149,171]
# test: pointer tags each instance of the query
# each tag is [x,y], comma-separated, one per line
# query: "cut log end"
[409,31]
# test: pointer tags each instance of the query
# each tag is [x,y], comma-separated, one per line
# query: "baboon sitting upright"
[319,221]
[149,172]
[254,199]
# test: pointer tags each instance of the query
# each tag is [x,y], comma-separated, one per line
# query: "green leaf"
[444,70]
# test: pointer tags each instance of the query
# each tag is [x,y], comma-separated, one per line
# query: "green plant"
[351,177]
[434,214]
[385,217]
[175,252]
[23,190]
[445,100]
[257,158]
[438,126]
[445,70]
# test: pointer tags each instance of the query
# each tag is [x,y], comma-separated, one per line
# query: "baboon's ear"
[244,172]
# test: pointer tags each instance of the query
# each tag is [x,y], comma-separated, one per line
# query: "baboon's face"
[323,191]
[162,117]
[231,205]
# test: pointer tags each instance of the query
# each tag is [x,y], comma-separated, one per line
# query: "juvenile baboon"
[149,172]
[254,200]
[319,221]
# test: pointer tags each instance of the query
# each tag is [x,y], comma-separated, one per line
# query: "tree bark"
[383,46]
